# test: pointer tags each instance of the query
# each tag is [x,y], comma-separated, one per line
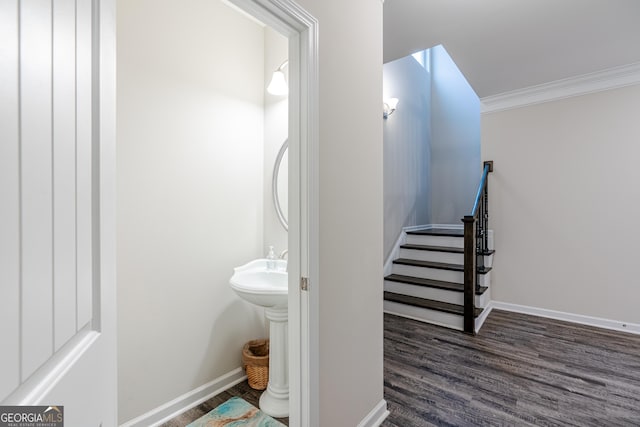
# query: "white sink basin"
[253,282]
[268,288]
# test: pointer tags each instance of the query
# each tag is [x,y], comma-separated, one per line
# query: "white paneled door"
[57,204]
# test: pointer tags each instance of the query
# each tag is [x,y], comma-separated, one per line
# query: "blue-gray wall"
[455,141]
[431,144]
[407,188]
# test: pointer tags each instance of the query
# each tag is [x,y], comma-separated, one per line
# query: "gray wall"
[431,145]
[407,187]
[349,292]
[563,198]
[455,141]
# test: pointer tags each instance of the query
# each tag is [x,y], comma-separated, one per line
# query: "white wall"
[563,200]
[351,208]
[455,141]
[276,50]
[190,195]
[407,151]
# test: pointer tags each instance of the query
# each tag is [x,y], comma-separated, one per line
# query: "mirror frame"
[274,185]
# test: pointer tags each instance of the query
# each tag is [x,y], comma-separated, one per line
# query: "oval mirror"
[280,184]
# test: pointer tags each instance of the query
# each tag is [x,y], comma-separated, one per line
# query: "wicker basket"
[255,360]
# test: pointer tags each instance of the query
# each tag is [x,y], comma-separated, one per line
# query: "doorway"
[300,233]
[301,29]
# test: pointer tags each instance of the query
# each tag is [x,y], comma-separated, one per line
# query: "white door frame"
[301,29]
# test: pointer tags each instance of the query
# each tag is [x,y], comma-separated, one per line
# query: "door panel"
[57,201]
[9,196]
[64,172]
[35,184]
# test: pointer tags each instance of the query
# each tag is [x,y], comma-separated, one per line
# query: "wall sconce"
[278,84]
[389,106]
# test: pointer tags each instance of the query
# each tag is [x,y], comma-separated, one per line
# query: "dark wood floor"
[240,390]
[519,370]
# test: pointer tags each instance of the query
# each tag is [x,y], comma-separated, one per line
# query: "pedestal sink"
[268,288]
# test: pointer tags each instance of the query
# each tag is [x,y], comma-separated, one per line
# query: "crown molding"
[611,78]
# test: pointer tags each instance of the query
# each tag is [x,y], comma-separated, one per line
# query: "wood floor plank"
[519,370]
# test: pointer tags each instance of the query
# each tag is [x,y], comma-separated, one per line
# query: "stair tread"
[438,232]
[433,248]
[438,265]
[429,304]
[430,283]
[442,249]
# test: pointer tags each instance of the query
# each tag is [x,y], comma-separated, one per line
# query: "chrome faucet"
[284,254]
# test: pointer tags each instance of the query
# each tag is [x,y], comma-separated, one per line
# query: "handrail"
[488,167]
[475,246]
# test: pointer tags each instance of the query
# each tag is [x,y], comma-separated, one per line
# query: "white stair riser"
[428,273]
[436,294]
[438,256]
[447,320]
[488,260]
[484,279]
[421,239]
[435,256]
[438,274]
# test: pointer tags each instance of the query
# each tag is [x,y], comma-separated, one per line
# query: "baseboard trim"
[193,398]
[377,415]
[615,325]
[432,226]
[417,227]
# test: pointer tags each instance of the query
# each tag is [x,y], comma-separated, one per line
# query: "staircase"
[427,279]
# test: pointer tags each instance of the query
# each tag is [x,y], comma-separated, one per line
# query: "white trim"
[47,376]
[301,29]
[432,226]
[183,403]
[574,86]
[598,322]
[417,227]
[446,226]
[483,316]
[377,415]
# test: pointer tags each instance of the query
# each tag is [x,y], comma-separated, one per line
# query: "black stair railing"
[476,244]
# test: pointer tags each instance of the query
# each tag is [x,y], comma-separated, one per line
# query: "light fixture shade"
[389,106]
[278,84]
[392,103]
